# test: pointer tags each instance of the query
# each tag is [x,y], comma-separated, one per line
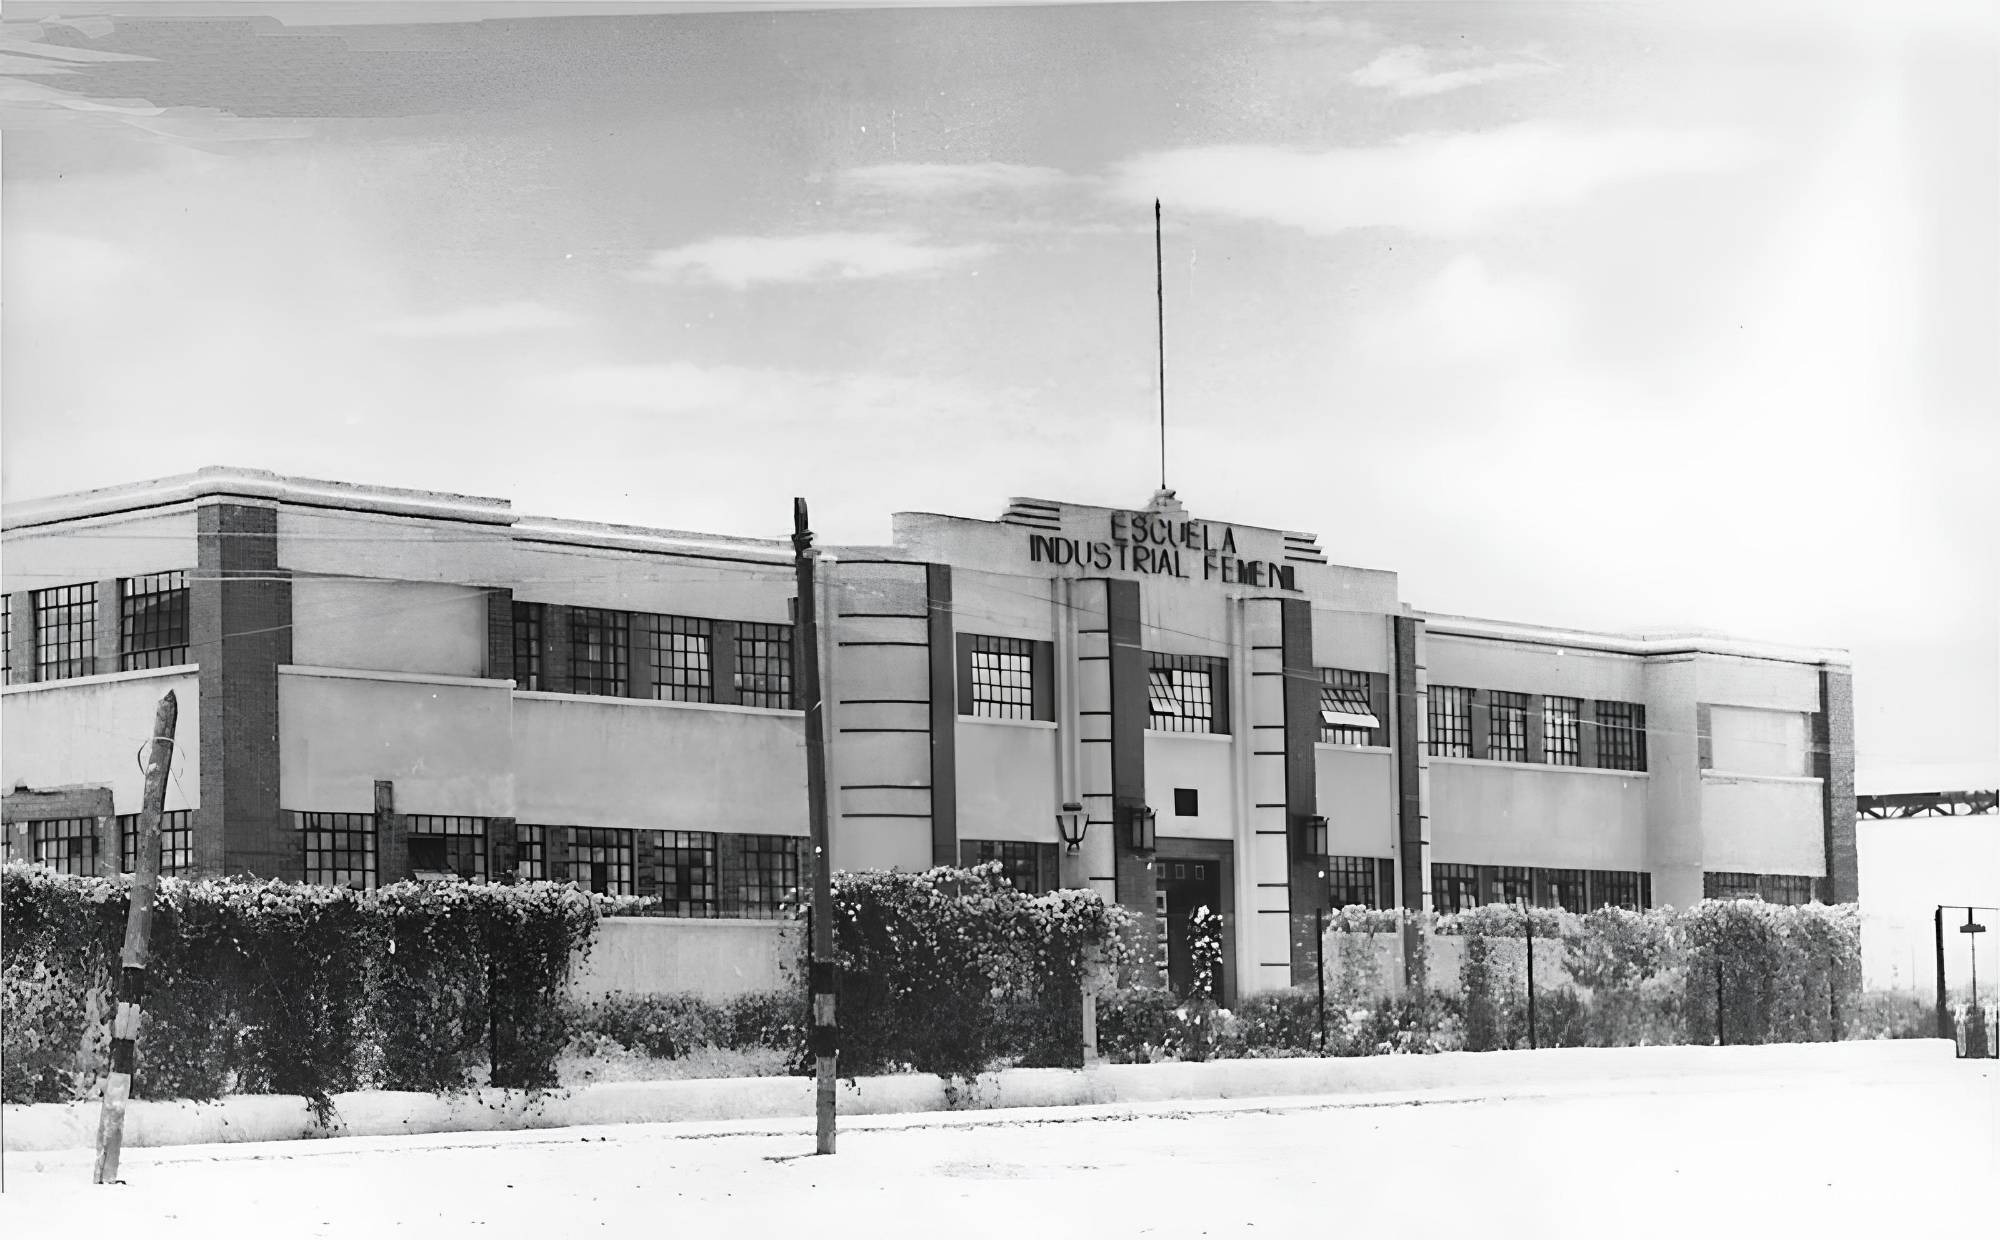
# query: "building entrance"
[1186,884]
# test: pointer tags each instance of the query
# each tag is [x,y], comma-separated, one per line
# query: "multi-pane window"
[441,843]
[683,668]
[1020,862]
[1786,889]
[600,646]
[1565,889]
[1351,880]
[600,859]
[339,848]
[531,853]
[1454,888]
[176,842]
[153,621]
[1512,884]
[527,645]
[1451,721]
[1346,716]
[1180,691]
[65,845]
[1003,677]
[1507,726]
[65,632]
[764,665]
[687,873]
[764,879]
[1562,741]
[1621,736]
[1730,885]
[1617,888]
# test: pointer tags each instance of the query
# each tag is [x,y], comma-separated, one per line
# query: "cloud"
[950,180]
[1441,183]
[503,318]
[1409,72]
[739,262]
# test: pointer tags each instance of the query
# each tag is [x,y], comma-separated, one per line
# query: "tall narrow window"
[600,647]
[1454,888]
[1003,677]
[687,873]
[1562,743]
[764,881]
[1451,721]
[176,842]
[527,645]
[1346,716]
[65,845]
[153,621]
[1351,880]
[339,848]
[600,859]
[531,853]
[447,844]
[1621,736]
[683,668]
[1181,692]
[764,665]
[65,632]
[1507,726]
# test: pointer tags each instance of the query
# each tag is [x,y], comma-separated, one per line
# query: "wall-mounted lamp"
[1312,840]
[1141,823]
[1071,824]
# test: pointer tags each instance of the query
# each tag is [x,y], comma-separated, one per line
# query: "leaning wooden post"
[138,926]
[823,1040]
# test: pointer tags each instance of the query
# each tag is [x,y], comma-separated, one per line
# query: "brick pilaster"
[500,633]
[1833,762]
[392,839]
[21,637]
[104,658]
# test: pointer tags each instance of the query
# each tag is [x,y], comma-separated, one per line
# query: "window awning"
[1346,706]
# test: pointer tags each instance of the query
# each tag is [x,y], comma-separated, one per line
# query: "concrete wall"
[662,766]
[1522,668]
[89,731]
[389,626]
[445,744]
[1763,825]
[1002,605]
[1197,761]
[1673,793]
[313,541]
[1357,641]
[100,549]
[667,955]
[1761,683]
[1357,794]
[1007,787]
[1749,741]
[1516,814]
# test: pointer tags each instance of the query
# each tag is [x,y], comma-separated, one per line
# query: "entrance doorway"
[1186,884]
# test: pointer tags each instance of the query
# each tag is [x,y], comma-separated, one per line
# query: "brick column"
[1833,762]
[556,676]
[943,715]
[499,633]
[392,840]
[1412,785]
[1586,732]
[1306,877]
[108,628]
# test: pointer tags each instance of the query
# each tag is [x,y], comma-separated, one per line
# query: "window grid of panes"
[1003,678]
[1786,889]
[65,845]
[176,842]
[1562,741]
[1020,862]
[764,665]
[1618,888]
[65,632]
[527,645]
[1506,726]
[765,878]
[1730,885]
[600,859]
[1451,721]
[531,853]
[1454,888]
[1181,694]
[683,667]
[339,849]
[1351,880]
[600,647]
[1344,692]
[1621,736]
[687,873]
[1565,889]
[1513,884]
[153,621]
[464,840]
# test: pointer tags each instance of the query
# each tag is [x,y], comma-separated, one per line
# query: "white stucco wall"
[1522,668]
[1357,641]
[1520,814]
[717,959]
[447,745]
[389,626]
[1762,825]
[1007,780]
[89,731]
[98,550]
[1356,791]
[1764,683]
[1197,761]
[1748,741]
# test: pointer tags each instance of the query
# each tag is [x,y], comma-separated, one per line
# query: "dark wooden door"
[1188,885]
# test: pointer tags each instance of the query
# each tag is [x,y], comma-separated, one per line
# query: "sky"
[1636,317]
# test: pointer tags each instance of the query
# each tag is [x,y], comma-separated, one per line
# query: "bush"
[1140,1025]
[662,1026]
[1275,1022]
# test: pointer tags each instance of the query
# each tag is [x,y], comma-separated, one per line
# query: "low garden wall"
[714,960]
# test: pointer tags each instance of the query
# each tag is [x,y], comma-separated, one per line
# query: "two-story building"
[375,683]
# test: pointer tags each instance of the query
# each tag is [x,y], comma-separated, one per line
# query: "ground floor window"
[1454,888]
[65,845]
[1027,866]
[1770,888]
[1564,889]
[531,853]
[339,849]
[686,861]
[601,860]
[1354,880]
[449,844]
[176,842]
[761,876]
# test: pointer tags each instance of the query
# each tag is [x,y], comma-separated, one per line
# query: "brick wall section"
[1413,872]
[555,649]
[1833,760]
[1307,885]
[499,633]
[943,716]
[392,837]
[240,630]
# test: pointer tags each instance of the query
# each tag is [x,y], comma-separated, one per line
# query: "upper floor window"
[65,845]
[1184,693]
[1562,742]
[1621,736]
[683,664]
[176,842]
[527,645]
[1346,716]
[153,621]
[601,858]
[1451,721]
[448,844]
[764,665]
[1003,677]
[1507,726]
[65,632]
[600,647]
[339,849]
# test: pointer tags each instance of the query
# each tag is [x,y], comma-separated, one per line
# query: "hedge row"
[274,987]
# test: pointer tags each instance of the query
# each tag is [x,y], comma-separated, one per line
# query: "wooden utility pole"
[138,926]
[822,1041]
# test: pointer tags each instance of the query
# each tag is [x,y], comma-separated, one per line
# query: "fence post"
[1533,1043]
[1720,1039]
[1319,950]
[1944,1025]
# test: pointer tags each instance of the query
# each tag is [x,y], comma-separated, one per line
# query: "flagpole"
[1160,307]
